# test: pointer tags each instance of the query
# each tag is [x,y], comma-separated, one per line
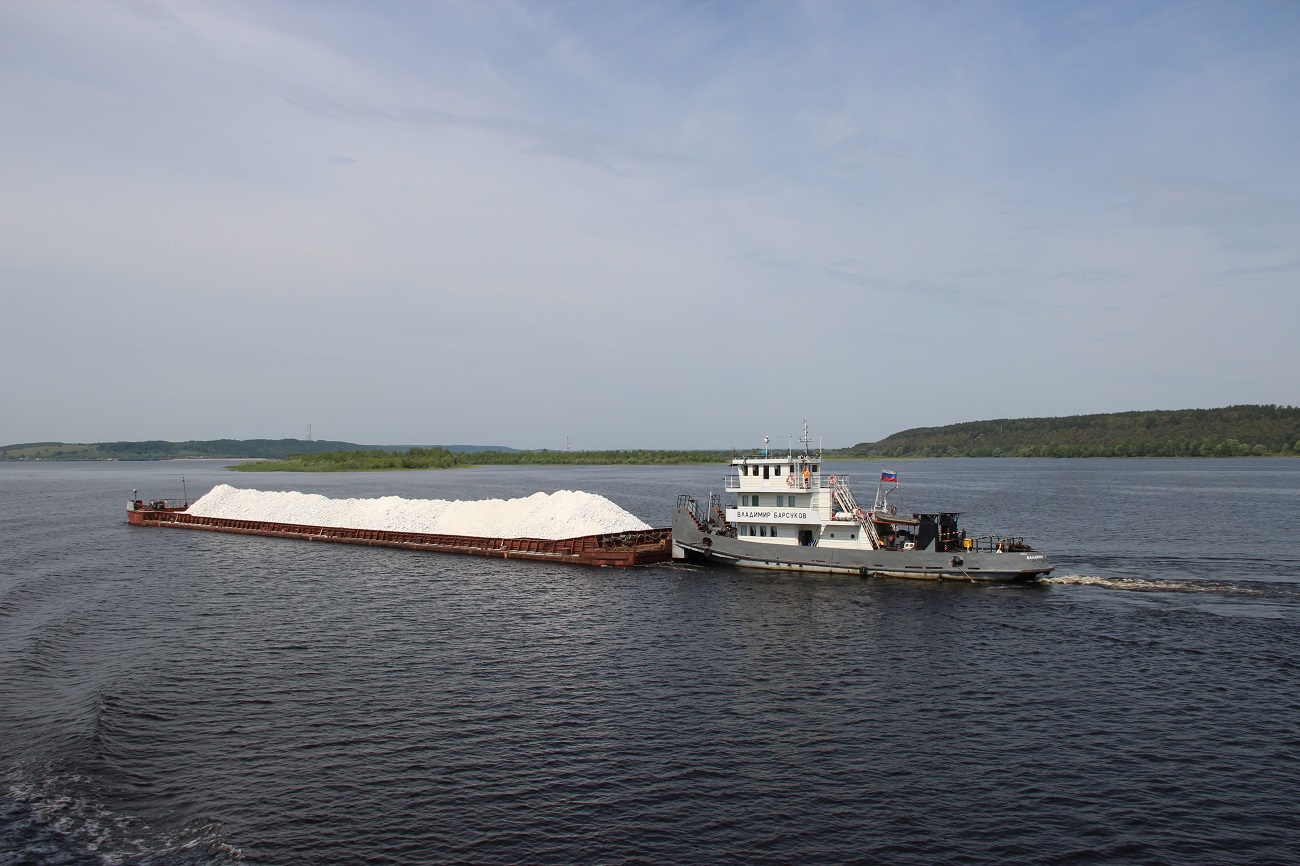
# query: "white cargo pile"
[563,514]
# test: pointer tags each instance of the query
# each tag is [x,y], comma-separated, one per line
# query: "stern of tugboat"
[691,529]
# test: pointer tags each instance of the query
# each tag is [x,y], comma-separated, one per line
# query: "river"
[174,697]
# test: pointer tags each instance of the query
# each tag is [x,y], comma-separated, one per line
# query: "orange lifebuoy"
[789,481]
[832,480]
[857,512]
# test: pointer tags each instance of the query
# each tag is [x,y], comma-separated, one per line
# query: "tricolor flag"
[891,477]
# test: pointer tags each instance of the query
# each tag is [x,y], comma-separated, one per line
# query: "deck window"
[776,470]
[762,530]
[774,532]
[765,472]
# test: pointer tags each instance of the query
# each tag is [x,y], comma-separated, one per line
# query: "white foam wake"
[1138,584]
[563,514]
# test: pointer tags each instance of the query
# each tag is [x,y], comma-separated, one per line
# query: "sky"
[638,224]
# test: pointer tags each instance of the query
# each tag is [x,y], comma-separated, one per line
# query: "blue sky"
[640,224]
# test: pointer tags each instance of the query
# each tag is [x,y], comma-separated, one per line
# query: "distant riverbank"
[441,458]
[1234,431]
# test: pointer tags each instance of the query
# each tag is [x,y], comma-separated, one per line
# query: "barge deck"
[617,549]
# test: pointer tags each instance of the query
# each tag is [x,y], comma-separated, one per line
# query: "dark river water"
[175,697]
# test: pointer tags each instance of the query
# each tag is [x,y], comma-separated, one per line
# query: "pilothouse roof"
[768,455]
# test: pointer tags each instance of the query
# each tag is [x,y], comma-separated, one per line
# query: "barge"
[790,515]
[616,549]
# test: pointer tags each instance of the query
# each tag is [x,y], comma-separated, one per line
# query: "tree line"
[441,458]
[1234,431]
[157,449]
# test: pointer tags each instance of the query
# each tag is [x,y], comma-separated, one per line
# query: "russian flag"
[891,477]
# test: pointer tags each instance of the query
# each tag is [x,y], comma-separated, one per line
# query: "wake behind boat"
[789,515]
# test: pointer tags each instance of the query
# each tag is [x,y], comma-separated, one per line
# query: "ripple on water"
[175,697]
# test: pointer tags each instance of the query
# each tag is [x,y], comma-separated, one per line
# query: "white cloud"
[457,200]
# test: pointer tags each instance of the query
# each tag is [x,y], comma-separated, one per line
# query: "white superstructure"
[789,514]
[787,499]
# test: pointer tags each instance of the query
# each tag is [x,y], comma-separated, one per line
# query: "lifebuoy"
[789,481]
[857,512]
[832,480]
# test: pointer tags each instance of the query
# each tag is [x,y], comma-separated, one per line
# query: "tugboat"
[789,515]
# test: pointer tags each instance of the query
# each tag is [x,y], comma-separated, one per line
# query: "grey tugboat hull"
[782,511]
[692,542]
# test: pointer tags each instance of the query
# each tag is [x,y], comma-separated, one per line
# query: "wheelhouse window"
[765,472]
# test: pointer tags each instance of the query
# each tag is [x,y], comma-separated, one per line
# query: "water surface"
[169,696]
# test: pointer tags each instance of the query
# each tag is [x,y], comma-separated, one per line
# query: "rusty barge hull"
[617,549]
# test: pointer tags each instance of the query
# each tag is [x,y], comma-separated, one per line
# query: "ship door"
[805,537]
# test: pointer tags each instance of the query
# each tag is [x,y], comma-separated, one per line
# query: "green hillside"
[442,458]
[1234,431]
[273,449]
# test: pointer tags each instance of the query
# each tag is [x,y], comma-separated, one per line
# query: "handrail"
[996,544]
[160,505]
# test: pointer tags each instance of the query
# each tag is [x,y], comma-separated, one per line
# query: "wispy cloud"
[593,193]
[535,139]
[1202,202]
[1283,270]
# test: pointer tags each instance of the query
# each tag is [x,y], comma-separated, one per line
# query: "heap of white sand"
[563,514]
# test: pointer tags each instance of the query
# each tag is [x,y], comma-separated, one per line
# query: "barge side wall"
[621,549]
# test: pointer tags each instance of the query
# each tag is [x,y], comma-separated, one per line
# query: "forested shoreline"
[1234,431]
[441,458]
[157,449]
